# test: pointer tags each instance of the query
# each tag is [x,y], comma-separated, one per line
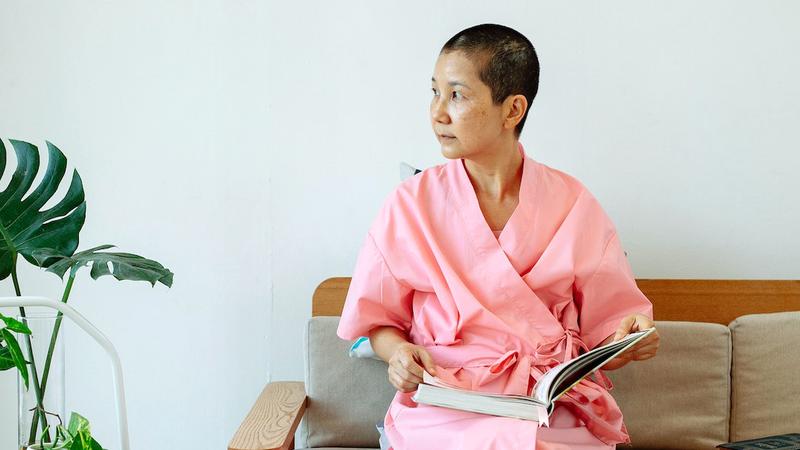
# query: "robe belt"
[546,356]
[588,400]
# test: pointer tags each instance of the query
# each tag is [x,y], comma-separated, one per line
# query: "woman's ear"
[514,108]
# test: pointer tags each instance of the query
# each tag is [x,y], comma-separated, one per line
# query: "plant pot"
[39,447]
[41,325]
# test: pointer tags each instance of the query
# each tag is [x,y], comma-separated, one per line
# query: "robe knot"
[560,349]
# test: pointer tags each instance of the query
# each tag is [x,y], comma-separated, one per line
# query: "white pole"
[91,330]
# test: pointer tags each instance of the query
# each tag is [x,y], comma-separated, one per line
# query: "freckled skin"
[484,133]
[481,127]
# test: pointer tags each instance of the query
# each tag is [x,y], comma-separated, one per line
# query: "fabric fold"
[495,313]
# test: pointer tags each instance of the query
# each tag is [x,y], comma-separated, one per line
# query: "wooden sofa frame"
[273,419]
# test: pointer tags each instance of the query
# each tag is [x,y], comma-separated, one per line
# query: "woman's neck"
[496,174]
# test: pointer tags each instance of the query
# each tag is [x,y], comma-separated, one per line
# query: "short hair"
[507,61]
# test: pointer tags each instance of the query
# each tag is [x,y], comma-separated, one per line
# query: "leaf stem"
[36,389]
[54,335]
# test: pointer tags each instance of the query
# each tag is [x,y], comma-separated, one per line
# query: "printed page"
[564,376]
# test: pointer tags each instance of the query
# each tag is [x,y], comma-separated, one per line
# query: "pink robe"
[496,312]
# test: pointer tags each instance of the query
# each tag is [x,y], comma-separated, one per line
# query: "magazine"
[538,406]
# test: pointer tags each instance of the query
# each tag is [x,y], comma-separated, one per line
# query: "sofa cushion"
[346,396]
[766,362]
[677,400]
[680,399]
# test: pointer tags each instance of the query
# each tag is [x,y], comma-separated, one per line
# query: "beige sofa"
[709,384]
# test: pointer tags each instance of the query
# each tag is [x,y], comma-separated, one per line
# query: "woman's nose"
[439,111]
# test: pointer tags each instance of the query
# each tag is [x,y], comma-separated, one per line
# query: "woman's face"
[464,118]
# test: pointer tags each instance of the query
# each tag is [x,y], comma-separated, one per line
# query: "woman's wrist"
[386,341]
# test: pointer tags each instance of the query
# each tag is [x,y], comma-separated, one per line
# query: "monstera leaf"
[124,266]
[23,227]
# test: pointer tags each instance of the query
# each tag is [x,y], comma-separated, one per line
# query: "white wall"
[163,110]
[248,145]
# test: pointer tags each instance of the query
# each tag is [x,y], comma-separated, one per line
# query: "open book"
[552,385]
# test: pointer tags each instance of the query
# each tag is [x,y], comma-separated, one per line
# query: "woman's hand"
[644,349]
[406,365]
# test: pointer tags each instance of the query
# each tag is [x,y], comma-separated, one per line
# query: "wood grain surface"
[717,301]
[271,423]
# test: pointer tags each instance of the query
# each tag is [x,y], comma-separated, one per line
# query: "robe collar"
[511,297]
[516,232]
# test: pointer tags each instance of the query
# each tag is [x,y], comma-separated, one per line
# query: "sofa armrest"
[273,419]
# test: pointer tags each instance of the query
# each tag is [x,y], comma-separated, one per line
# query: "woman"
[490,269]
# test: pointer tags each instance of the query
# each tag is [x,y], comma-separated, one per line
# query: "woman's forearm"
[386,340]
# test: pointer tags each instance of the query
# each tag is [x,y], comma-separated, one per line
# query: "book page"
[564,376]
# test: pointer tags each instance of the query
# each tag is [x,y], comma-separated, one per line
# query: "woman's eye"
[457,95]
[434,91]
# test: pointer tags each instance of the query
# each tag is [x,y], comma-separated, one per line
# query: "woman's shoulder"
[557,179]
[408,200]
[425,180]
[419,189]
[567,196]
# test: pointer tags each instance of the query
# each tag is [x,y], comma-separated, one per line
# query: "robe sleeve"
[375,297]
[609,295]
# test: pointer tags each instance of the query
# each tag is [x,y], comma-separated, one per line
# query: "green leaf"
[23,227]
[77,443]
[78,423]
[85,439]
[63,435]
[80,434]
[6,361]
[15,325]
[124,266]
[16,354]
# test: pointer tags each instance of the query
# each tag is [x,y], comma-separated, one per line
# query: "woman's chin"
[450,151]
